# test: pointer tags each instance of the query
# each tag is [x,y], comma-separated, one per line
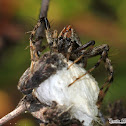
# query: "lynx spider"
[69,44]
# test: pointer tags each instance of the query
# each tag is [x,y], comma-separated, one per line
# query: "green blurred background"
[99,20]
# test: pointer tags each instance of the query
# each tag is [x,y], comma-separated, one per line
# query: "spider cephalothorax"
[68,43]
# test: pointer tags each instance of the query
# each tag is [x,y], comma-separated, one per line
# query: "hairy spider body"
[69,44]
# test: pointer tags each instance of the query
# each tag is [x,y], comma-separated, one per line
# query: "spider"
[69,44]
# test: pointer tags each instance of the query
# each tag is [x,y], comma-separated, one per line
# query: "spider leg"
[85,62]
[90,70]
[75,61]
[47,30]
[107,84]
[51,36]
[103,51]
[55,40]
[33,51]
[69,53]
[90,44]
[99,50]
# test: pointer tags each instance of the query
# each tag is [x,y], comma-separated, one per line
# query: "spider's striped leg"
[69,52]
[108,82]
[90,44]
[47,30]
[51,36]
[90,70]
[33,50]
[100,50]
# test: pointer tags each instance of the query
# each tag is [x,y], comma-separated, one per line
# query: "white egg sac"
[81,96]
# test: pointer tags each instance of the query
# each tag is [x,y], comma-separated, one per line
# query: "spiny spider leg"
[51,36]
[68,53]
[89,44]
[108,81]
[90,70]
[100,50]
[75,61]
[34,52]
